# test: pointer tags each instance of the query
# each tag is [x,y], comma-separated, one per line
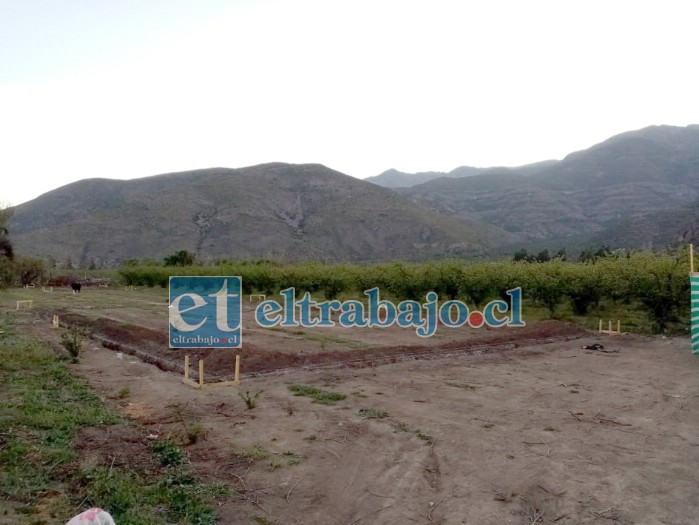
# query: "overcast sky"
[131,88]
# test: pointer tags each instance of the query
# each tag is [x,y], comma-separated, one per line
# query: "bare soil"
[472,426]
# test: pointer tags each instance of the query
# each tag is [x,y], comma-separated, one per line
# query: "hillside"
[277,211]
[636,190]
[613,190]
[652,231]
[400,179]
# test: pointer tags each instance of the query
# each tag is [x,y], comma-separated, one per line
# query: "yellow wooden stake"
[201,372]
[691,258]
[186,367]
[610,331]
[236,376]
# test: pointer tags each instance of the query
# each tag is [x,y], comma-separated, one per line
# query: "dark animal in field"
[76,287]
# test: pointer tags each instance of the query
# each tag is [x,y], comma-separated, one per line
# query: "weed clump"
[72,341]
[372,413]
[255,452]
[319,396]
[169,453]
[250,399]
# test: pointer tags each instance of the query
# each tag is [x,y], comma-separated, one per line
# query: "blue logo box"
[205,312]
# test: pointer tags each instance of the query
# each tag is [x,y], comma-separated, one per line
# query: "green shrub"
[72,340]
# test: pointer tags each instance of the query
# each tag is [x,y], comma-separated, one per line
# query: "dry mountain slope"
[588,194]
[281,211]
[400,179]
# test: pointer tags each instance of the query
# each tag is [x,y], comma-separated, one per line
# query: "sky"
[131,88]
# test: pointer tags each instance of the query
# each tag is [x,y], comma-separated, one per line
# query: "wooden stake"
[691,258]
[186,367]
[236,376]
[610,331]
[201,372]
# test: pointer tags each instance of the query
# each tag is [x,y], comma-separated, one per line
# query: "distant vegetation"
[181,258]
[657,283]
[542,256]
[14,268]
[6,249]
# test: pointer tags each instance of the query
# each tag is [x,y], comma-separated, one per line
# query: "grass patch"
[632,316]
[134,499]
[42,408]
[372,413]
[195,432]
[169,453]
[292,458]
[425,437]
[319,396]
[42,411]
[255,452]
[287,459]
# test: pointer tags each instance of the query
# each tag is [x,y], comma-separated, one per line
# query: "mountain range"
[399,179]
[635,190]
[275,211]
[628,183]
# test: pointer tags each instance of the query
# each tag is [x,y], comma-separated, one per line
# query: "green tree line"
[658,282]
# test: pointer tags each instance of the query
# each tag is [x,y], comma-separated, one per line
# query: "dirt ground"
[136,323]
[525,427]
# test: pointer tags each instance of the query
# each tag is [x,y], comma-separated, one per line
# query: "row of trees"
[587,255]
[15,268]
[657,282]
[6,249]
